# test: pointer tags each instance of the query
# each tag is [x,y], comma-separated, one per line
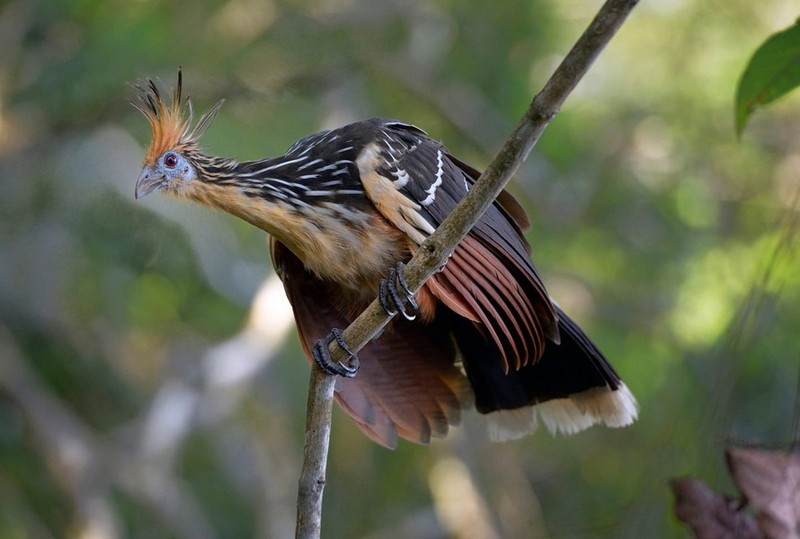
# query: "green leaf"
[773,71]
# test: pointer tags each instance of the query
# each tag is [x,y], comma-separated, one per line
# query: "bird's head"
[169,164]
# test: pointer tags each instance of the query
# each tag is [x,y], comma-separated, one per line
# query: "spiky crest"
[170,123]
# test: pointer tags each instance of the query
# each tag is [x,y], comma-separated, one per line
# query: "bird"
[344,210]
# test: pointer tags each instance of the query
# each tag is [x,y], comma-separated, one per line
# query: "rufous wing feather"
[490,278]
[407,385]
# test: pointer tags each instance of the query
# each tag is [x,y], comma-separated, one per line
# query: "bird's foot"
[389,297]
[322,356]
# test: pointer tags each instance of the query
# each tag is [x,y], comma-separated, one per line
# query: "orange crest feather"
[170,123]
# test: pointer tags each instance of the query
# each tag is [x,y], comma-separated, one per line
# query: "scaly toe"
[322,356]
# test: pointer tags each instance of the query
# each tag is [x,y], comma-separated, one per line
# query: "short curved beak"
[149,180]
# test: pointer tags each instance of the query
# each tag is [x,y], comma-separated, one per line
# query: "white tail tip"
[579,411]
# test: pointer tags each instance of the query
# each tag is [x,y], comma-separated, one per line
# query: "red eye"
[171,160]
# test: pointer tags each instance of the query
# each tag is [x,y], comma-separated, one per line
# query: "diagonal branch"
[435,251]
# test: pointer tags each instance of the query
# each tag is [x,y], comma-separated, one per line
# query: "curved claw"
[401,278]
[388,290]
[322,356]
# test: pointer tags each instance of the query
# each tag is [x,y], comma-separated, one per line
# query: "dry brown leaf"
[711,515]
[770,480]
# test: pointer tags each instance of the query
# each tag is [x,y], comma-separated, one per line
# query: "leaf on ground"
[711,515]
[771,482]
[773,71]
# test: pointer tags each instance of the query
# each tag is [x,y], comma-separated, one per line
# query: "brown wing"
[407,385]
[490,278]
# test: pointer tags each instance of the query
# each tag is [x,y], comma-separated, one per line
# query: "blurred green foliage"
[670,240]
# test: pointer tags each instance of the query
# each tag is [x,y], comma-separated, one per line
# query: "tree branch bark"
[435,251]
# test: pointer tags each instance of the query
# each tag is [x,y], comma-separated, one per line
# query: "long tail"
[570,388]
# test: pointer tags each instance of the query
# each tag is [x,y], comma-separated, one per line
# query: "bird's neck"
[255,191]
[302,208]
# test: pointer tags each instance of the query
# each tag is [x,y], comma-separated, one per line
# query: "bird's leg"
[392,303]
[322,355]
[389,297]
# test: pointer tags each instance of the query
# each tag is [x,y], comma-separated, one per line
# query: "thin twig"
[315,454]
[435,251]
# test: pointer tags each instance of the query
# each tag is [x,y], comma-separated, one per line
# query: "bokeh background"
[151,383]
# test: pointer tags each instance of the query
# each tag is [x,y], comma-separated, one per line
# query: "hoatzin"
[344,209]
